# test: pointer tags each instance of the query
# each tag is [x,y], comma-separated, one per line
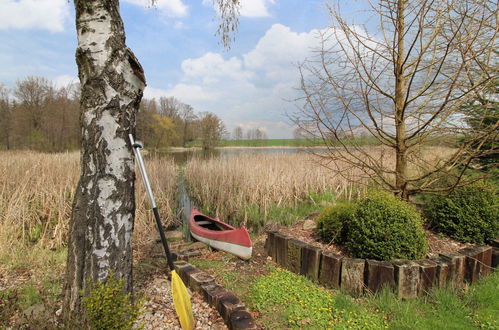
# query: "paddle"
[181,299]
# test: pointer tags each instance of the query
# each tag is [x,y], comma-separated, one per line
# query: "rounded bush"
[333,221]
[385,228]
[468,214]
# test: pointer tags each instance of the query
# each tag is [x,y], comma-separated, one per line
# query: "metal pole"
[136,150]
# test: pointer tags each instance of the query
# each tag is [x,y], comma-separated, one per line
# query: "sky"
[252,85]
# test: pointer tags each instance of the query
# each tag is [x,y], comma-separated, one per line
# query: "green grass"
[288,142]
[228,277]
[256,217]
[286,300]
[294,301]
[444,308]
[264,143]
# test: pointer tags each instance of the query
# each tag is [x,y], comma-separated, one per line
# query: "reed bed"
[232,187]
[36,194]
[231,184]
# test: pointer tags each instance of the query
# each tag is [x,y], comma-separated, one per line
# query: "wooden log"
[457,274]
[406,278]
[178,255]
[281,244]
[184,270]
[330,269]
[241,320]
[495,257]
[293,255]
[211,292]
[379,274]
[428,275]
[494,243]
[444,272]
[227,303]
[352,275]
[478,262]
[270,244]
[310,261]
[196,280]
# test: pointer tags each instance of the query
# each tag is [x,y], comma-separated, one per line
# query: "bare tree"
[112,81]
[402,84]
[238,133]
[170,107]
[186,127]
[5,118]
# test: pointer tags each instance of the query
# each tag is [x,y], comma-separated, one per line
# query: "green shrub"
[109,306]
[332,223]
[468,214]
[384,228]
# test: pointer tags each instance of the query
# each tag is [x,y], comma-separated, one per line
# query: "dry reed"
[36,193]
[229,184]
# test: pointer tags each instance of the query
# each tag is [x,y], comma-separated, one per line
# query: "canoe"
[220,235]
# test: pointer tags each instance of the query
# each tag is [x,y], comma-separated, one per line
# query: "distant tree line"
[169,122]
[251,134]
[37,115]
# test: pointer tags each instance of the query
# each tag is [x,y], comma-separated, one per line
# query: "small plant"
[332,223]
[468,214]
[299,303]
[384,227]
[109,306]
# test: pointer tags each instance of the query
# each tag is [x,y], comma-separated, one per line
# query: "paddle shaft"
[136,150]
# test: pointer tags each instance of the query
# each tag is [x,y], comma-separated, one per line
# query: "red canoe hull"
[232,240]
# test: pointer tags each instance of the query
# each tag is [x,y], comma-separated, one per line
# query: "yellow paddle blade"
[182,302]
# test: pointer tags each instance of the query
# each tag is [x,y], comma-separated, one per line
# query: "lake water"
[182,156]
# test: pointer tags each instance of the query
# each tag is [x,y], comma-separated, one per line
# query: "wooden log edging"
[233,311]
[358,276]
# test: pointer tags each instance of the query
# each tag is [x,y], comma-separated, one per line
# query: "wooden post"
[241,319]
[352,276]
[428,275]
[330,269]
[406,278]
[281,244]
[478,262]
[457,261]
[379,274]
[293,255]
[270,244]
[310,261]
[444,271]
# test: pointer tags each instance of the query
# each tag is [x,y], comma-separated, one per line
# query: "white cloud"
[34,14]
[171,8]
[255,8]
[65,80]
[250,90]
[279,49]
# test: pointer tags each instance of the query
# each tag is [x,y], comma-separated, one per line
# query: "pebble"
[159,313]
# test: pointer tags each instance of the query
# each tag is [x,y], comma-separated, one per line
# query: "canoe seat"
[203,222]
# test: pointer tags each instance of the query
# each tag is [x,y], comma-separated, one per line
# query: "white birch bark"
[112,82]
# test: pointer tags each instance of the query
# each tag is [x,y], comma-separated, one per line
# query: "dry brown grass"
[36,193]
[231,183]
[228,185]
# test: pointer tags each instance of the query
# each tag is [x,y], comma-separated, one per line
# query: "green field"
[287,142]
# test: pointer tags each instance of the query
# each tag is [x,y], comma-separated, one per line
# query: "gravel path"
[159,312]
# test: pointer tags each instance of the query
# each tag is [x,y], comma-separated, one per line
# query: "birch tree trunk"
[112,81]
